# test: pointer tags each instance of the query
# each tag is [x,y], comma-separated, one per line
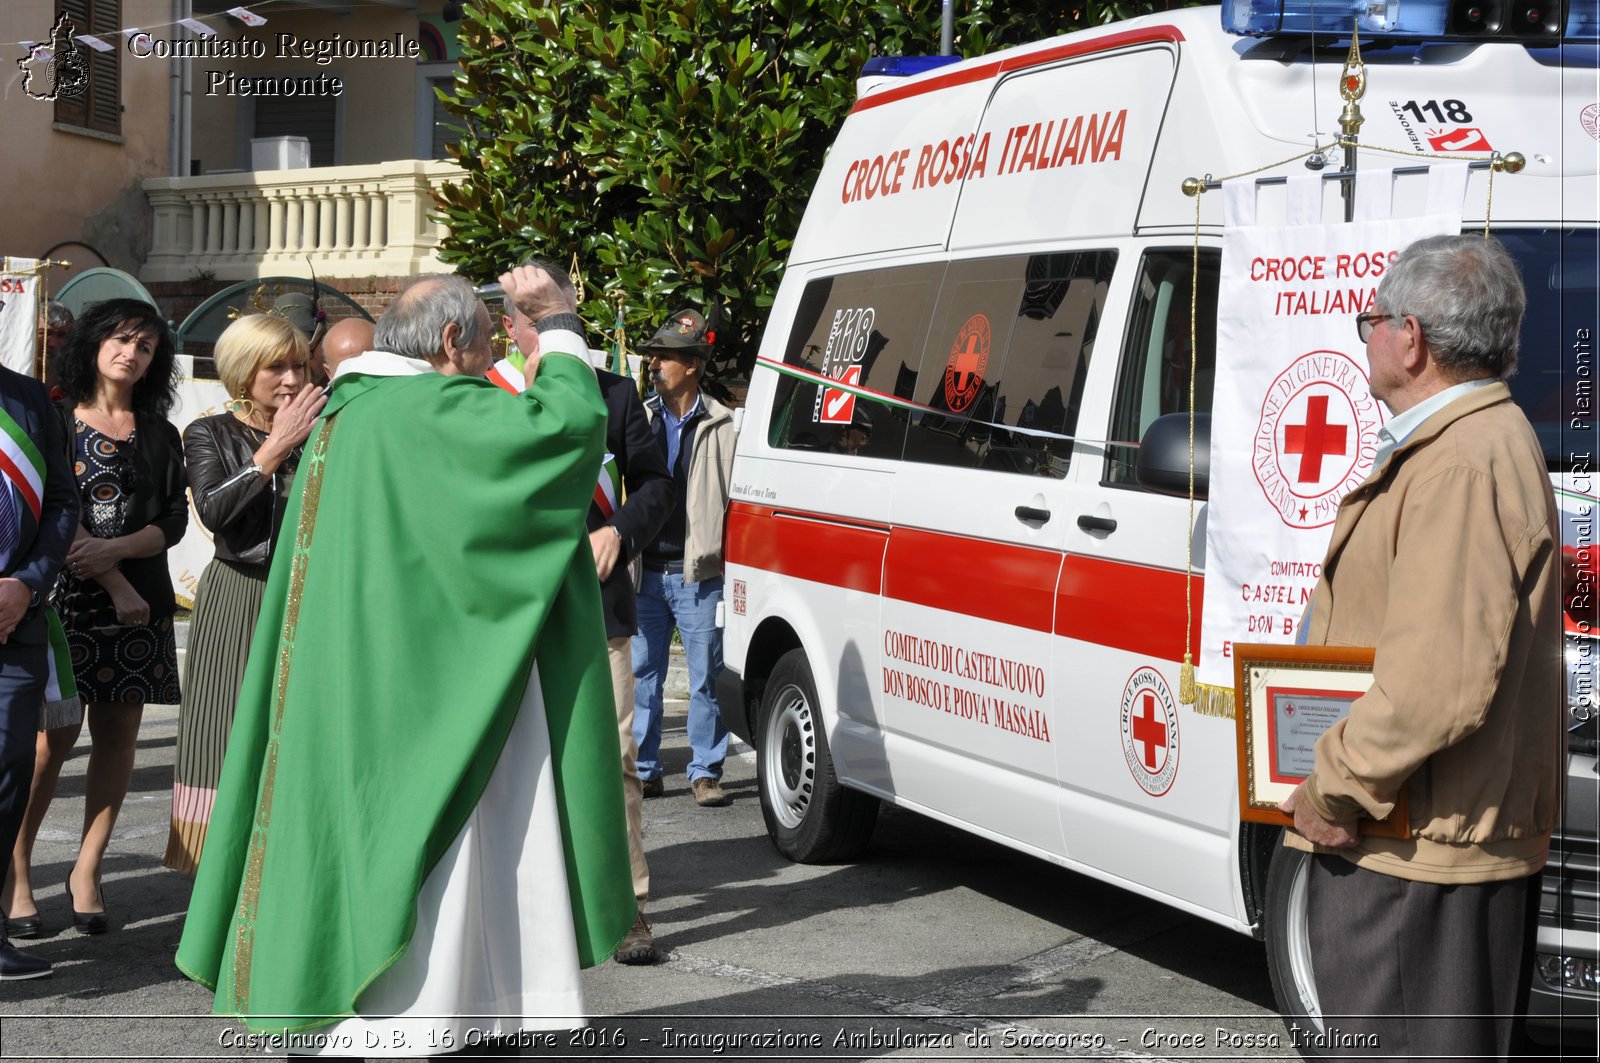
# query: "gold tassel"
[1214,701]
[1186,688]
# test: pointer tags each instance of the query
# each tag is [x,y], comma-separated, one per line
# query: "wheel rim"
[789,756]
[1297,941]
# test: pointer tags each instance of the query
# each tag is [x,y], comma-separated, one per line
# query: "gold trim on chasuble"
[250,892]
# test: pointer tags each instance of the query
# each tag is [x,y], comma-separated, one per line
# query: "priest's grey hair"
[413,325]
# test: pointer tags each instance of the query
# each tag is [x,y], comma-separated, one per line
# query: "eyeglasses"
[1366,322]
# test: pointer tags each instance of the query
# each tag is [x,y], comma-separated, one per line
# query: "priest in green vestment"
[419,812]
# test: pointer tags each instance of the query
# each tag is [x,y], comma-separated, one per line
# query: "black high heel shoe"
[29,926]
[87,922]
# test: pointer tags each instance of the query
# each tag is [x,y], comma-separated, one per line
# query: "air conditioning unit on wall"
[280,153]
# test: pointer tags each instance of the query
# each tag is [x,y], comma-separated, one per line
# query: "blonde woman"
[241,463]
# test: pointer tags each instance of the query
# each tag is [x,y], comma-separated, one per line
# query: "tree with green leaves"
[671,145]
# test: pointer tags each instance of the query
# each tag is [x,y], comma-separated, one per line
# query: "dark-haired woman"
[114,594]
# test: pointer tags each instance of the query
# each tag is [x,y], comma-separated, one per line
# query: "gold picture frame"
[1286,697]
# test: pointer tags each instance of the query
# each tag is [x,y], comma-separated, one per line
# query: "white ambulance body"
[959,598]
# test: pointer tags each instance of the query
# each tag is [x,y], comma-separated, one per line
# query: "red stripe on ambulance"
[1129,607]
[1110,603]
[985,71]
[833,550]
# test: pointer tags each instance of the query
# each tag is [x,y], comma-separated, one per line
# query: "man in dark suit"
[38,515]
[618,531]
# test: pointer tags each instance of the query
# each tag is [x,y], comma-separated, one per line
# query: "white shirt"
[1400,427]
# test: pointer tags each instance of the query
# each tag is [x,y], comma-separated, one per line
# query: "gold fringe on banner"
[1212,700]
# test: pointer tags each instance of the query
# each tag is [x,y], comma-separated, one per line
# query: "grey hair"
[1466,293]
[56,315]
[413,325]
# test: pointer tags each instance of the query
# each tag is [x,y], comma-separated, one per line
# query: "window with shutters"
[99,107]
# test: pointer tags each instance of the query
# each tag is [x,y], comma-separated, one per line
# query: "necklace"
[118,425]
[248,419]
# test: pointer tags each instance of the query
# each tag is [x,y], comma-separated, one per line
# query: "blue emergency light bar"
[904,66]
[1531,22]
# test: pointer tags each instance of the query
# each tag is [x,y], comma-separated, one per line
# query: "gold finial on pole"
[1352,86]
[1509,162]
[1193,186]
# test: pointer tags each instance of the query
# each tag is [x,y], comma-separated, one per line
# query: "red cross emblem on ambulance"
[839,406]
[969,357]
[1149,723]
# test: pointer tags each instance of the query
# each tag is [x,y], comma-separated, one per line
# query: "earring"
[242,406]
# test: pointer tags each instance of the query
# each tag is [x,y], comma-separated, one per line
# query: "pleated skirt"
[226,606]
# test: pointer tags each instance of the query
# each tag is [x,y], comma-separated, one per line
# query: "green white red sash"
[60,684]
[608,491]
[21,463]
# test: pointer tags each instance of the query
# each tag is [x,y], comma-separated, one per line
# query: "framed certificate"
[1286,696]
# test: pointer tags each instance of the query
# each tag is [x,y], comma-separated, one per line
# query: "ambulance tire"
[1288,938]
[811,818]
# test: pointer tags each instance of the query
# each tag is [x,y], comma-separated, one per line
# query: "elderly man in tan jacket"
[1445,560]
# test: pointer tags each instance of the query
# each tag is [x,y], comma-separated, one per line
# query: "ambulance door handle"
[1090,522]
[1033,515]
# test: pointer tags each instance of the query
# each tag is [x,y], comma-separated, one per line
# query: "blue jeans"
[664,601]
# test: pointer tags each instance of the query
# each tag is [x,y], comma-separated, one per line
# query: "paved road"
[936,945]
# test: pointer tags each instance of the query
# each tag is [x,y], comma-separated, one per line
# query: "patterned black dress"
[112,662]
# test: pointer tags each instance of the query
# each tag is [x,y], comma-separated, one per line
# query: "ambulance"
[959,530]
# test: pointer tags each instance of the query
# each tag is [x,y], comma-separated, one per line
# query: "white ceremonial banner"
[1294,424]
[19,313]
[191,555]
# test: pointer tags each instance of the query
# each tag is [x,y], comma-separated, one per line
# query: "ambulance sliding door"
[1147,784]
[975,548]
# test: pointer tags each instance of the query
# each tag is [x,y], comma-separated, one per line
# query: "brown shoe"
[655,787]
[639,947]
[707,794]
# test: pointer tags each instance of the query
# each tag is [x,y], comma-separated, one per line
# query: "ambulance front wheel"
[1288,937]
[811,818]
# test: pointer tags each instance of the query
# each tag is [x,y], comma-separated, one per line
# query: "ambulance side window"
[865,329]
[962,362]
[1041,385]
[1154,378]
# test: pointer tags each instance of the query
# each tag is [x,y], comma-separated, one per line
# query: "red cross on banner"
[1315,440]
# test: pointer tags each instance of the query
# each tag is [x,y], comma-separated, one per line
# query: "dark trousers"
[22,679]
[1410,969]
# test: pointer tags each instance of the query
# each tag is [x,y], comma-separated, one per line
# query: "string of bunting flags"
[243,13]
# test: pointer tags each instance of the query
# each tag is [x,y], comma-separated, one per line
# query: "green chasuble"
[433,548]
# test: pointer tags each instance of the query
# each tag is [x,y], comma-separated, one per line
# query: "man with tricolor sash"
[619,523]
[38,516]
[418,837]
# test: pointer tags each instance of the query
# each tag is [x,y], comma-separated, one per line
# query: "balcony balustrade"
[349,221]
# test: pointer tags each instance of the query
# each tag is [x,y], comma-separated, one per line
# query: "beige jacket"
[710,474]
[1446,562]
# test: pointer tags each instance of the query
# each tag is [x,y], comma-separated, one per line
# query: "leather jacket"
[240,509]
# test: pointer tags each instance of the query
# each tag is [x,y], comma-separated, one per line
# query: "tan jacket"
[710,475]
[1446,562]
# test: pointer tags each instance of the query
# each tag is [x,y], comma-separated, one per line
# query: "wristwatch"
[569,322]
